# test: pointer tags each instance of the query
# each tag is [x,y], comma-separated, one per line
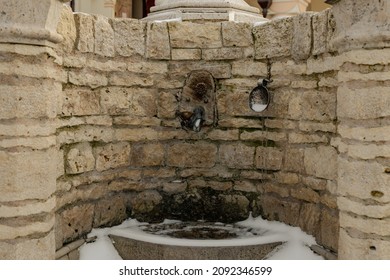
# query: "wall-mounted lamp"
[265,5]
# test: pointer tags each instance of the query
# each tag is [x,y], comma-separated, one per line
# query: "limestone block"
[366,134]
[195,35]
[314,183]
[186,54]
[263,136]
[225,135]
[105,65]
[85,133]
[217,171]
[363,103]
[104,36]
[136,134]
[39,248]
[269,158]
[112,156]
[367,57]
[236,155]
[305,194]
[378,211]
[313,105]
[239,122]
[67,29]
[85,41]
[236,204]
[329,230]
[79,159]
[80,102]
[287,178]
[88,78]
[129,36]
[236,34]
[249,68]
[222,54]
[167,105]
[363,224]
[322,29]
[175,187]
[126,79]
[147,155]
[281,191]
[365,151]
[274,38]
[363,179]
[302,37]
[219,185]
[28,100]
[321,162]
[200,154]
[27,174]
[288,66]
[300,138]
[148,67]
[277,209]
[110,211]
[245,186]
[219,70]
[317,126]
[309,218]
[280,123]
[132,120]
[76,221]
[324,63]
[294,160]
[306,84]
[28,127]
[145,201]
[27,208]
[355,248]
[157,41]
[129,101]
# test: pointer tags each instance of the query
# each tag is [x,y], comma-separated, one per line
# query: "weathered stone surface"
[277,45]
[320,32]
[269,158]
[157,41]
[236,34]
[239,122]
[27,208]
[167,105]
[249,68]
[317,126]
[126,79]
[110,211]
[309,218]
[85,41]
[226,135]
[315,183]
[294,160]
[200,154]
[80,102]
[79,159]
[67,28]
[302,37]
[129,101]
[175,187]
[305,194]
[378,211]
[219,70]
[129,36]
[20,170]
[329,230]
[321,162]
[145,202]
[287,178]
[245,186]
[323,64]
[358,104]
[279,210]
[371,175]
[366,134]
[282,191]
[88,78]
[365,151]
[186,54]
[355,248]
[148,67]
[299,138]
[236,155]
[147,155]
[85,133]
[76,221]
[104,36]
[112,156]
[222,54]
[219,186]
[195,35]
[263,135]
[30,249]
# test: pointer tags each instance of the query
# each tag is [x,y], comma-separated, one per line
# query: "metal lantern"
[259,97]
[265,5]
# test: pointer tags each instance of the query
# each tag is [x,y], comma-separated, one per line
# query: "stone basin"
[135,249]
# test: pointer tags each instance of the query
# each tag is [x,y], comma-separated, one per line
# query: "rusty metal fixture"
[197,101]
[265,5]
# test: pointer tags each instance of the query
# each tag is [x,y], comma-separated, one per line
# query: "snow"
[295,242]
[259,107]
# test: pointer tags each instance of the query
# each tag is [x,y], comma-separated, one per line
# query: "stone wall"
[125,153]
[90,134]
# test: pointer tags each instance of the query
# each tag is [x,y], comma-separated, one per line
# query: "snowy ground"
[295,247]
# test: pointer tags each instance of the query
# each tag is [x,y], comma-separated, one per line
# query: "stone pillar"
[287,8]
[30,83]
[204,10]
[362,38]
